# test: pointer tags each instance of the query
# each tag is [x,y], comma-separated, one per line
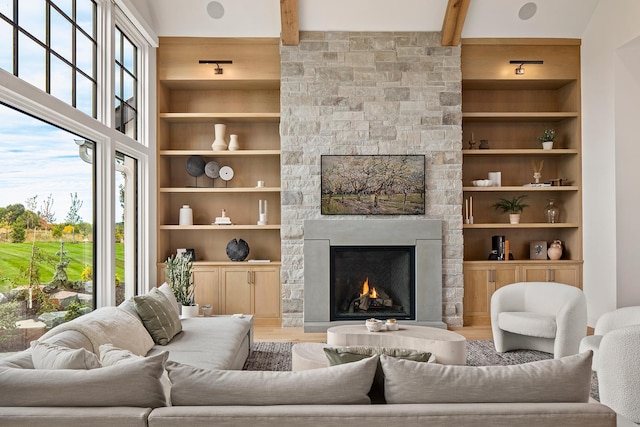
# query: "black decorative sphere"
[237,250]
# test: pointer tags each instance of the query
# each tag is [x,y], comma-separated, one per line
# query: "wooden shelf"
[226,117]
[519,189]
[211,153]
[220,189]
[520,152]
[222,83]
[522,261]
[542,225]
[518,116]
[212,227]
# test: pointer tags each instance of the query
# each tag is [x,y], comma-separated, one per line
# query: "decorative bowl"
[482,183]
[392,325]
[374,325]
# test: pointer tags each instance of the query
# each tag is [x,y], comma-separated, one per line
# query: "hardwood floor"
[279,334]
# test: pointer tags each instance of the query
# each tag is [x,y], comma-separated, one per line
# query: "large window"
[52,45]
[47,207]
[126,85]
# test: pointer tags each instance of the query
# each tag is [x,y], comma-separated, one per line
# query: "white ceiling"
[261,18]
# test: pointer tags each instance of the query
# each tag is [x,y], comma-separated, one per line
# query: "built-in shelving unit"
[510,111]
[246,98]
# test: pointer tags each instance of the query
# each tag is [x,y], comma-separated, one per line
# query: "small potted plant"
[547,139]
[178,272]
[512,206]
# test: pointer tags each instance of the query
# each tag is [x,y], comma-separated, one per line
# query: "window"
[47,206]
[126,85]
[126,227]
[52,46]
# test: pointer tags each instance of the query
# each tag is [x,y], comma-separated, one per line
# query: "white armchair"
[543,316]
[619,371]
[608,322]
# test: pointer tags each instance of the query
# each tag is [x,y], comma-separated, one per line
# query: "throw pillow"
[134,384]
[166,290]
[344,384]
[52,356]
[340,355]
[567,379]
[157,315]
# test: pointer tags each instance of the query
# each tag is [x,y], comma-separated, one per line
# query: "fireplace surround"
[424,236]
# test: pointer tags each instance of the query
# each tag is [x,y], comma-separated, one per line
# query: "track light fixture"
[219,69]
[521,62]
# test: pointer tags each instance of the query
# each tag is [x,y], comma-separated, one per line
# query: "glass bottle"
[552,212]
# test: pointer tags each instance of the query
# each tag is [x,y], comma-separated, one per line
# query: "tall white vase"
[219,144]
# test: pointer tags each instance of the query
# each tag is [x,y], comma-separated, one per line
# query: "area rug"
[276,356]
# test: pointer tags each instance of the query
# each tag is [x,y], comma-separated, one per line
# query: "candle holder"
[262,212]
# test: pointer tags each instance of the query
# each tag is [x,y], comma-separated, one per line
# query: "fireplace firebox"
[377,281]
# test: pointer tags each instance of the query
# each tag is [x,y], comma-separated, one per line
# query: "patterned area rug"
[276,356]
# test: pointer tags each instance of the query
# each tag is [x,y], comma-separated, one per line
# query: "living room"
[608,47]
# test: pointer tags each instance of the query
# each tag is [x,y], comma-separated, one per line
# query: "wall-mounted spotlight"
[521,62]
[217,62]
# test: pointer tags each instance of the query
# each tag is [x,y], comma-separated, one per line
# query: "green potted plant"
[547,138]
[512,206]
[180,278]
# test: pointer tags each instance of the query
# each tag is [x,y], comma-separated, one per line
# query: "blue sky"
[39,159]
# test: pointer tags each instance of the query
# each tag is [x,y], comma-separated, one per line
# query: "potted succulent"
[178,272]
[512,206]
[547,139]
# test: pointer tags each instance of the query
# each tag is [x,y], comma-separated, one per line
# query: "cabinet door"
[237,290]
[207,287]
[266,292]
[568,274]
[480,282]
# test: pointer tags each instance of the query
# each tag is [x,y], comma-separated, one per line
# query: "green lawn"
[15,256]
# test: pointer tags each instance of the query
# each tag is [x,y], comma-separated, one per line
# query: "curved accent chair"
[619,371]
[612,320]
[543,316]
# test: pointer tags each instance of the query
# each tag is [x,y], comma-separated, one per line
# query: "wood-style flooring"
[279,334]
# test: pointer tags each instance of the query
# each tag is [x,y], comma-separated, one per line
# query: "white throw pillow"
[165,288]
[52,356]
[336,385]
[567,379]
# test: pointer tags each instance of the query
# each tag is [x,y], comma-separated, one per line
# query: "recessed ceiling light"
[215,9]
[527,10]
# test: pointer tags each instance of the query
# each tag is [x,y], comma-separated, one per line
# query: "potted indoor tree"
[180,278]
[512,206]
[547,139]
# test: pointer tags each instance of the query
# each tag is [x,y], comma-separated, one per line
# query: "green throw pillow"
[340,355]
[158,316]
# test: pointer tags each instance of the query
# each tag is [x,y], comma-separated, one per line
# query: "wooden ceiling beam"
[453,22]
[290,33]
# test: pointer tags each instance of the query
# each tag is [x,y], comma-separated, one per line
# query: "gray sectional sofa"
[195,380]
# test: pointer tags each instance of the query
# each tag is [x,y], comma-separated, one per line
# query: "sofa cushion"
[528,323]
[340,355]
[52,356]
[166,290]
[157,315]
[344,384]
[567,379]
[132,384]
[21,360]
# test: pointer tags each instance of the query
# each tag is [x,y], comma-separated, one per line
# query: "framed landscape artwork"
[373,185]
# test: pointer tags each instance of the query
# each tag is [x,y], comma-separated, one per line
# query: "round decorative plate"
[212,169]
[237,250]
[226,173]
[195,166]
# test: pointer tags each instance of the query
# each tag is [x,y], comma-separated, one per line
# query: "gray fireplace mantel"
[320,235]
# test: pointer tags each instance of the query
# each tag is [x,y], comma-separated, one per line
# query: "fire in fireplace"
[372,282]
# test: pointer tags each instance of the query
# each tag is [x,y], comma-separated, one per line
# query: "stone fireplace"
[369,93]
[386,245]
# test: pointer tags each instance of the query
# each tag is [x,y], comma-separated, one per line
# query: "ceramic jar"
[555,250]
[233,143]
[219,144]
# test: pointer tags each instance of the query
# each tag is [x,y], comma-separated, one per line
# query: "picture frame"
[538,249]
[372,184]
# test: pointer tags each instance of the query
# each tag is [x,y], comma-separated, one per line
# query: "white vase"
[514,218]
[233,143]
[219,144]
[190,311]
[186,215]
[547,145]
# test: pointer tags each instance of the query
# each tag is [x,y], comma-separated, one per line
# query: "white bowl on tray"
[482,183]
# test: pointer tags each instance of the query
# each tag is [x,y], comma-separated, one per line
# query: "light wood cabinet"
[252,290]
[568,273]
[191,100]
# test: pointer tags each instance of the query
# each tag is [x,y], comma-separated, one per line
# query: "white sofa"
[204,393]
